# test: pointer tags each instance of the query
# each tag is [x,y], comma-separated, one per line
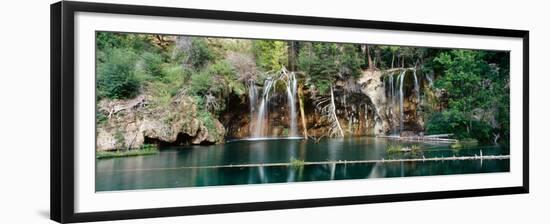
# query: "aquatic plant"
[394,148]
[296,163]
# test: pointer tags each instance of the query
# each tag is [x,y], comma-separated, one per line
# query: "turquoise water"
[184,166]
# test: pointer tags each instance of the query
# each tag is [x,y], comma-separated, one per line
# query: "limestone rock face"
[176,123]
[372,85]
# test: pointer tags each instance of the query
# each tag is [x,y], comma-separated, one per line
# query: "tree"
[271,55]
[293,48]
[473,87]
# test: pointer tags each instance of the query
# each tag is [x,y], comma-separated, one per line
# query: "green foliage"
[207,119]
[217,81]
[319,61]
[100,118]
[201,82]
[145,149]
[350,61]
[116,76]
[393,148]
[200,54]
[473,86]
[226,74]
[296,163]
[271,55]
[325,62]
[152,64]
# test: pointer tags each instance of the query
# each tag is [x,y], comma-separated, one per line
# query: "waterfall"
[291,88]
[430,79]
[263,109]
[366,118]
[260,130]
[392,102]
[401,96]
[416,86]
[252,96]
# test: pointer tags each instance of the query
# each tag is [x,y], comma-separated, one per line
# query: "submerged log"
[423,159]
[422,139]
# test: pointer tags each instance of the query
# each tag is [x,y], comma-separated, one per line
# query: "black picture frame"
[63,115]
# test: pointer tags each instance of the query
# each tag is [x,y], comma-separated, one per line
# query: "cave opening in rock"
[181,140]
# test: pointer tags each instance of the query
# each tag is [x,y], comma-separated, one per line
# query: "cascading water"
[416,86]
[367,116]
[430,79]
[392,101]
[291,88]
[401,97]
[252,98]
[259,130]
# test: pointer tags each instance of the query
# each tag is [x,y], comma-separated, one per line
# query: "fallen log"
[423,159]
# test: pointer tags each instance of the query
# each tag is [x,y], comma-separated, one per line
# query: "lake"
[192,166]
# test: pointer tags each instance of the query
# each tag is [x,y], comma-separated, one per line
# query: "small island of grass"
[147,149]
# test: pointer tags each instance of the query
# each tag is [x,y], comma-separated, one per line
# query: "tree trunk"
[392,59]
[333,111]
[302,113]
[378,57]
[292,55]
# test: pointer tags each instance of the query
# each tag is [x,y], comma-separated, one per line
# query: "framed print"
[159,111]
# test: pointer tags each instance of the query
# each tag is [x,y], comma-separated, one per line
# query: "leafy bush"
[116,78]
[451,121]
[201,83]
[199,54]
[226,72]
[207,119]
[152,64]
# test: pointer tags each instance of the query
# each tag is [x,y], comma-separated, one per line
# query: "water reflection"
[168,168]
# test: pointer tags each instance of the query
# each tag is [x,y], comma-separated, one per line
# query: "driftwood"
[426,138]
[119,105]
[327,108]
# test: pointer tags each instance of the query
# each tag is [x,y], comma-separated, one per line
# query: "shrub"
[452,121]
[199,54]
[116,78]
[201,83]
[152,64]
